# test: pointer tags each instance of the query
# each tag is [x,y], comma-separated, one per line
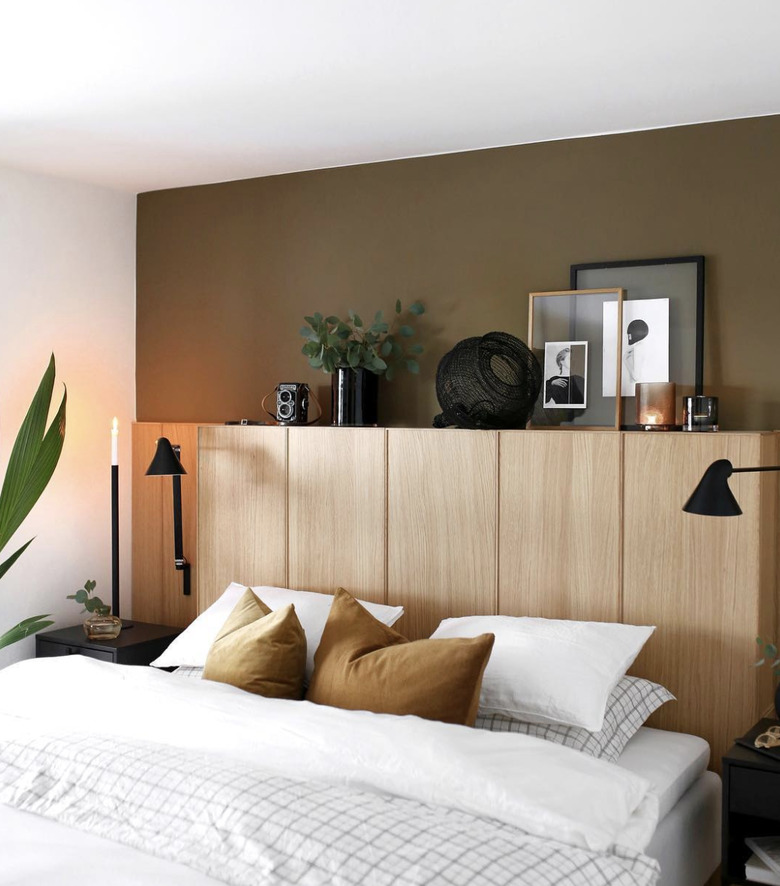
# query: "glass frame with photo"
[679,279]
[568,318]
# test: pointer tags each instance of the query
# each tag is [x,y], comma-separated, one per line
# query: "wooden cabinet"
[559,524]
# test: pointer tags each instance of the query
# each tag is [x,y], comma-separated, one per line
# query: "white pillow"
[191,647]
[546,671]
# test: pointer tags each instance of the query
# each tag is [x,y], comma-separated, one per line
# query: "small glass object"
[655,405]
[101,625]
[700,414]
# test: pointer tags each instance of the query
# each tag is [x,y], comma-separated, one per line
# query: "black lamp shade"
[713,497]
[165,462]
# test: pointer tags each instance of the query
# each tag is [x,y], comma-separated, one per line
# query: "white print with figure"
[565,374]
[645,344]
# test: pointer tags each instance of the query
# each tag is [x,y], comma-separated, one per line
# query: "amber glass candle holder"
[655,405]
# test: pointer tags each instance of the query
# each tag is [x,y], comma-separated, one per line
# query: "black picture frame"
[686,300]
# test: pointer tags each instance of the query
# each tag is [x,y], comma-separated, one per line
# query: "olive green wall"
[226,272]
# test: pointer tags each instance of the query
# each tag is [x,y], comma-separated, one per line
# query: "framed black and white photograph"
[566,375]
[566,335]
[678,281]
[644,344]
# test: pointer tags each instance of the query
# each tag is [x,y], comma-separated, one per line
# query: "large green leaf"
[24,629]
[33,458]
[4,567]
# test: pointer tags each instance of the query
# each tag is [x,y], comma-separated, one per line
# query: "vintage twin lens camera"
[292,403]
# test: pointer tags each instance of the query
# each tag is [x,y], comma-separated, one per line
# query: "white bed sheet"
[686,842]
[670,761]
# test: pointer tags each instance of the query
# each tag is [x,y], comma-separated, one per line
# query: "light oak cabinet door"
[707,583]
[442,495]
[243,525]
[338,508]
[559,525]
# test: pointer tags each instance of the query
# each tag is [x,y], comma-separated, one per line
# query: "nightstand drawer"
[754,792]
[48,650]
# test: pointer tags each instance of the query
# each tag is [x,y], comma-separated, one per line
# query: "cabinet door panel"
[441,547]
[559,535]
[337,501]
[700,580]
[242,531]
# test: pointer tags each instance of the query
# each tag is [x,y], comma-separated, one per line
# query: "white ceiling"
[149,94]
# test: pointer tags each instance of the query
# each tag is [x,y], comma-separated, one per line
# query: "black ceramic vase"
[353,399]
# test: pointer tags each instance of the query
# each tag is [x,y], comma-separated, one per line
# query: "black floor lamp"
[713,497]
[166,464]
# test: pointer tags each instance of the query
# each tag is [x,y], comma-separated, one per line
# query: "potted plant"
[33,459]
[100,625]
[355,354]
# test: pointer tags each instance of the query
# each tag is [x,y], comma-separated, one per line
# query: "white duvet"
[543,788]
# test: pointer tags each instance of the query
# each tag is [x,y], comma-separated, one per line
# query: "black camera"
[292,403]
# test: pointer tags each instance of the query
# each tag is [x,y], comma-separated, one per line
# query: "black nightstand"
[134,646]
[751,804]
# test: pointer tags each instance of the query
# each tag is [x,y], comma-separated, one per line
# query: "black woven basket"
[490,382]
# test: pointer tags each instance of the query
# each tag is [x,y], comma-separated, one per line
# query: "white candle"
[114,442]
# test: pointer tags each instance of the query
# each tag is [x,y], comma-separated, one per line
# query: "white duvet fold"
[545,789]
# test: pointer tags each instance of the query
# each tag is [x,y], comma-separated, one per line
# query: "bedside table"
[751,805]
[134,646]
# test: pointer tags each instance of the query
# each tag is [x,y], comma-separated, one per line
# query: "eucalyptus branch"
[380,347]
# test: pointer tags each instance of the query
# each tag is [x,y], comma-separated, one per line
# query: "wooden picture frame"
[577,316]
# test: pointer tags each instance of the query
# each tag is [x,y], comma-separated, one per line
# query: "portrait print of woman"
[565,374]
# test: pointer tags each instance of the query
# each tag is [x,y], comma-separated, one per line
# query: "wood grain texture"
[157,586]
[337,508]
[442,505]
[559,524]
[703,581]
[243,509]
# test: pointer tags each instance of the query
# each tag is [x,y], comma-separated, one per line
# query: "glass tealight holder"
[655,405]
[101,625]
[700,413]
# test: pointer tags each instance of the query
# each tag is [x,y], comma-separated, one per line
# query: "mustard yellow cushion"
[259,650]
[362,664]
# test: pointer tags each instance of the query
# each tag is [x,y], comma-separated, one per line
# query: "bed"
[95,776]
[169,779]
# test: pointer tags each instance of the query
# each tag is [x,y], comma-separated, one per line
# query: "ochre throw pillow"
[259,650]
[362,664]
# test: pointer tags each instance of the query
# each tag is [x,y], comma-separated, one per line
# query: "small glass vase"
[101,625]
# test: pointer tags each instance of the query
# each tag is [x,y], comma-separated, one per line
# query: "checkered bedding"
[242,825]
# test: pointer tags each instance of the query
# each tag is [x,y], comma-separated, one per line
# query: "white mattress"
[671,761]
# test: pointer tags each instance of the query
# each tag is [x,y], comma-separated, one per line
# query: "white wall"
[67,285]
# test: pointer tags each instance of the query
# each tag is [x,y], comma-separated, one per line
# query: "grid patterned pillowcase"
[630,704]
[187,671]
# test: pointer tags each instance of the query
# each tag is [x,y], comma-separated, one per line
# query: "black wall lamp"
[713,497]
[166,464]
